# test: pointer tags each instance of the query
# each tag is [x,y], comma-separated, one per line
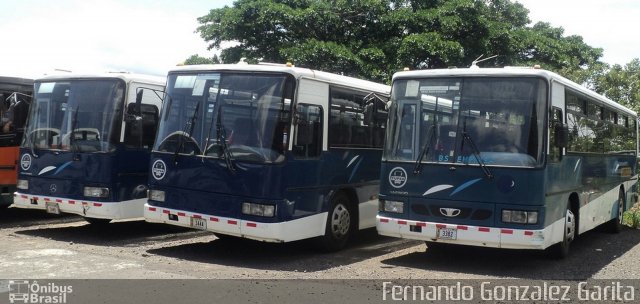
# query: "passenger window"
[142,133]
[307,142]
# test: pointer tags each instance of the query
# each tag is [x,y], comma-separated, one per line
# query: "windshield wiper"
[475,150]
[190,123]
[417,169]
[221,135]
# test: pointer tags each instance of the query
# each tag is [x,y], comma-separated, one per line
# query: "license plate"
[198,223]
[447,233]
[52,208]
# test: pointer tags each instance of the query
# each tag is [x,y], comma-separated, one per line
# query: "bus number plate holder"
[52,208]
[198,223]
[447,233]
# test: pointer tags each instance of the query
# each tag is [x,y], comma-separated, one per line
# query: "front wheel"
[339,226]
[561,250]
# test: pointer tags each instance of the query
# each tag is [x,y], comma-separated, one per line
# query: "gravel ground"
[41,246]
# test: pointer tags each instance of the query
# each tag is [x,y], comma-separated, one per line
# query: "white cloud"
[96,36]
[610,25]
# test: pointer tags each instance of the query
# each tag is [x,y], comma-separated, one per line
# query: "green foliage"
[196,59]
[621,84]
[631,217]
[374,38]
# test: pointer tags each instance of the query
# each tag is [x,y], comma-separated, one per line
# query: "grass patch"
[631,217]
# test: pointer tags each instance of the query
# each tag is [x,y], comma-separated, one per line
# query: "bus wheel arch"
[574,205]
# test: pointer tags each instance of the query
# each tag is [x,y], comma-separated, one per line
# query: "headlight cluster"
[23,184]
[259,209]
[391,206]
[156,195]
[96,192]
[519,216]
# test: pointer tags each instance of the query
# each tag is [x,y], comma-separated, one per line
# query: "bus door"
[304,182]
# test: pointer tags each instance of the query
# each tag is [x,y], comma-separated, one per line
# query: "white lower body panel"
[298,229]
[104,210]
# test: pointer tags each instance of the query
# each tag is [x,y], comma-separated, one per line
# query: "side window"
[307,142]
[357,119]
[141,133]
[555,152]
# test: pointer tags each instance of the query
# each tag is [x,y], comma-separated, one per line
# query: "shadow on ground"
[590,253]
[301,256]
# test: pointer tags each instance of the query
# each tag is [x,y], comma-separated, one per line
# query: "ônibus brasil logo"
[159,169]
[23,291]
[25,162]
[397,177]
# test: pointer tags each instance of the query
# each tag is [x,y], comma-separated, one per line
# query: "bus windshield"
[239,116]
[497,121]
[76,115]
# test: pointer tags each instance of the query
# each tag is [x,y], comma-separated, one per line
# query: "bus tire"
[561,250]
[339,226]
[97,221]
[615,224]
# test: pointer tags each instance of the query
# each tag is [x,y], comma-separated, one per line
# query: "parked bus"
[508,158]
[15,98]
[87,144]
[268,152]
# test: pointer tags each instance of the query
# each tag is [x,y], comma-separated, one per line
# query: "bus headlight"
[96,192]
[23,184]
[519,216]
[391,206]
[258,209]
[156,195]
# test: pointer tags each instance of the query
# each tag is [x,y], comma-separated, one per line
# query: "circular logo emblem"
[53,188]
[397,177]
[158,169]
[25,162]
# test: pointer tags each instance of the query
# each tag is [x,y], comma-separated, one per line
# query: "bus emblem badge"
[25,162]
[450,212]
[397,177]
[159,169]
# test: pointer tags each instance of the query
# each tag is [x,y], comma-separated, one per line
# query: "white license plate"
[447,233]
[52,208]
[198,223]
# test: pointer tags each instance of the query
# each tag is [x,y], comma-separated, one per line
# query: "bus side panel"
[312,183]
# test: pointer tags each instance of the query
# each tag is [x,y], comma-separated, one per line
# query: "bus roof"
[16,81]
[127,77]
[512,71]
[295,71]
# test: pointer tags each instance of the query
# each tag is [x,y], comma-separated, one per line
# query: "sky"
[152,36]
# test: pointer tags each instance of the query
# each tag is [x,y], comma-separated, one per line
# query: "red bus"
[15,98]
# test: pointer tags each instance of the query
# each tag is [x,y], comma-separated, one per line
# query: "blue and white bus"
[508,158]
[268,152]
[87,144]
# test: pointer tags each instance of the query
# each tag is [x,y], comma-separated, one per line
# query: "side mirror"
[561,135]
[133,113]
[139,96]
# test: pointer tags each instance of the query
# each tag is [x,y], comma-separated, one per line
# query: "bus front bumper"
[471,235]
[104,210]
[298,229]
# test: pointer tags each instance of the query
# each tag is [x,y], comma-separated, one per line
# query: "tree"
[197,59]
[621,84]
[374,38]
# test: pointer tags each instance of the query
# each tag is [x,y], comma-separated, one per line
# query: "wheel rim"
[340,221]
[570,225]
